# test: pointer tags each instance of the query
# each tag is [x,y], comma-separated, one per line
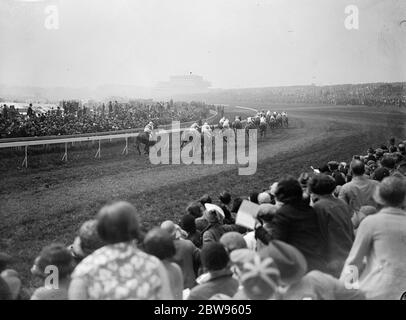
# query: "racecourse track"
[47,203]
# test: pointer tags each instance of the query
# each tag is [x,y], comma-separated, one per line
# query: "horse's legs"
[137,146]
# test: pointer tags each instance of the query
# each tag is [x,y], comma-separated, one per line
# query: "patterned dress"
[120,271]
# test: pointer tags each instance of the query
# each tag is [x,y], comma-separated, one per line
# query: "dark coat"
[297,224]
[336,226]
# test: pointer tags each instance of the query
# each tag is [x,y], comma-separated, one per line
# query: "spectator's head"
[233,241]
[388,162]
[343,167]
[357,167]
[333,165]
[159,243]
[325,169]
[254,197]
[225,197]
[118,222]
[290,261]
[194,209]
[87,241]
[264,197]
[170,227]
[188,223]
[339,178]
[236,204]
[205,199]
[391,192]
[289,190]
[380,173]
[214,257]
[393,149]
[303,179]
[259,277]
[54,255]
[322,184]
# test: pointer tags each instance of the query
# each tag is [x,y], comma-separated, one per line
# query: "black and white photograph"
[214,152]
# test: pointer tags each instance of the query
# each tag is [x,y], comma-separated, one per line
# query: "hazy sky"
[232,43]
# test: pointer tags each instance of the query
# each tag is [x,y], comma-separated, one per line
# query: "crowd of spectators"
[338,232]
[369,94]
[72,118]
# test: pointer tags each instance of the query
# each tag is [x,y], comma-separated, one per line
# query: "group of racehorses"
[261,122]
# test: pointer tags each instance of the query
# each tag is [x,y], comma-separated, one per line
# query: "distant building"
[179,85]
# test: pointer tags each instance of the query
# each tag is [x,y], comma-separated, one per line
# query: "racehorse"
[249,126]
[262,129]
[279,120]
[236,125]
[143,138]
[272,122]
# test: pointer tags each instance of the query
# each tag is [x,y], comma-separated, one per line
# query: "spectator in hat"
[371,155]
[187,255]
[188,224]
[87,241]
[253,197]
[296,223]
[160,244]
[380,173]
[53,256]
[339,178]
[334,217]
[196,210]
[216,228]
[389,163]
[259,278]
[119,270]
[359,191]
[379,252]
[263,232]
[215,261]
[232,241]
[298,284]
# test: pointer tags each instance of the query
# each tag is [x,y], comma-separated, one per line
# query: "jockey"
[284,114]
[262,120]
[226,124]
[268,113]
[221,122]
[206,128]
[149,127]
